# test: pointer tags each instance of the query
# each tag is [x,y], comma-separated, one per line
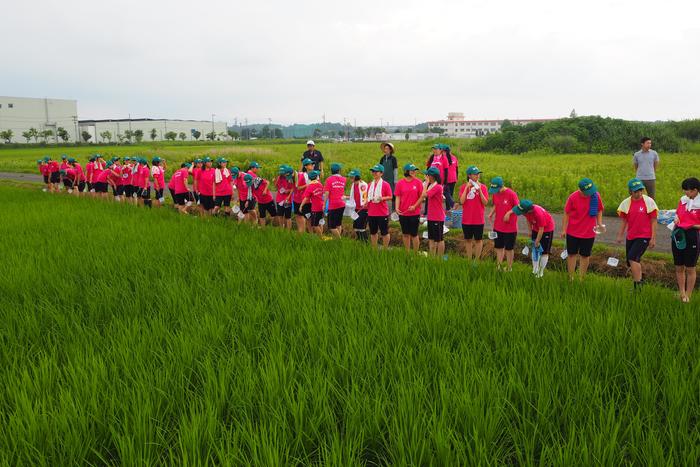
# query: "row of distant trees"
[34,134]
[128,136]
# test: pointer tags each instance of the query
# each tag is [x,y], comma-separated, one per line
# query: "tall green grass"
[142,337]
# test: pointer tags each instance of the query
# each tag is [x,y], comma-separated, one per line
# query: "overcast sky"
[398,61]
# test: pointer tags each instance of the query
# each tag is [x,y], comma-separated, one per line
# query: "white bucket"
[564,254]
[613,262]
[322,222]
[425,235]
[493,235]
[236,209]
[394,217]
[241,216]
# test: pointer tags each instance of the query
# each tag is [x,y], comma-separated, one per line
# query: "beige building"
[458,127]
[21,114]
[117,129]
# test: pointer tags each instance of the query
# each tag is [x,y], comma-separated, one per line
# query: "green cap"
[127,158]
[188,164]
[156,159]
[206,159]
[523,207]
[473,170]
[432,171]
[445,147]
[254,165]
[71,159]
[285,169]
[437,146]
[635,185]
[235,171]
[409,168]
[377,168]
[306,162]
[39,161]
[354,173]
[587,186]
[64,157]
[248,179]
[110,163]
[222,160]
[313,175]
[336,167]
[47,158]
[198,161]
[496,185]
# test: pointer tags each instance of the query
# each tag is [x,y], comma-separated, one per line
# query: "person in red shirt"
[178,187]
[541,225]
[158,168]
[89,169]
[583,217]
[473,197]
[54,174]
[685,243]
[335,188]
[223,187]
[206,186]
[638,213]
[314,196]
[450,176]
[43,170]
[504,199]
[378,193]
[358,201]
[284,184]
[300,183]
[77,176]
[263,196]
[408,191]
[432,191]
[196,169]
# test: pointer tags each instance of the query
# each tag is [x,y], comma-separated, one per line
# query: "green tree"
[436,129]
[138,135]
[265,134]
[317,133]
[278,133]
[86,136]
[359,132]
[573,114]
[196,134]
[233,134]
[106,135]
[6,136]
[183,136]
[128,134]
[63,134]
[34,133]
[153,134]
[170,136]
[46,134]
[120,138]
[27,135]
[211,136]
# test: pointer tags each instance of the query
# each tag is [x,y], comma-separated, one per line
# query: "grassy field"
[141,337]
[546,179]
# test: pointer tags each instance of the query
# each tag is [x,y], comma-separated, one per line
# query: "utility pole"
[75,121]
[129,123]
[212,124]
[269,124]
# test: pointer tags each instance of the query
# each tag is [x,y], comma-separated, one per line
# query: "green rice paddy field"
[546,179]
[142,337]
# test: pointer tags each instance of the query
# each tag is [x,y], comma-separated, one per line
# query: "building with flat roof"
[57,116]
[105,131]
[457,126]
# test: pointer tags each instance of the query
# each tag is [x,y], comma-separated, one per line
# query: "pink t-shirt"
[452,170]
[102,176]
[53,167]
[473,208]
[128,174]
[206,182]
[408,192]
[687,218]
[300,188]
[380,209]
[284,188]
[440,162]
[504,202]
[580,223]
[144,175]
[79,175]
[262,196]
[436,206]
[538,217]
[638,219]
[195,177]
[178,181]
[224,187]
[64,166]
[335,187]
[314,194]
[158,176]
[43,169]
[89,167]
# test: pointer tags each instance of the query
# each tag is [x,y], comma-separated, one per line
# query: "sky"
[370,62]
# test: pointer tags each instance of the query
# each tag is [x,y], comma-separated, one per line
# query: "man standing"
[646,162]
[391,168]
[314,155]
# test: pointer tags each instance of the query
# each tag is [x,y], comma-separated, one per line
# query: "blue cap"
[495,185]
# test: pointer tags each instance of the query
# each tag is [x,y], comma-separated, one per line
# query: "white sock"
[543,263]
[535,266]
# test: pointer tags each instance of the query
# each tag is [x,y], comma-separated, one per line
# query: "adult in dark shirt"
[391,168]
[314,155]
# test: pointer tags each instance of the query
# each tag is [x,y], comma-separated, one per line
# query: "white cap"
[310,143]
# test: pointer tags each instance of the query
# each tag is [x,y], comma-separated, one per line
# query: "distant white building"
[457,127]
[117,129]
[21,114]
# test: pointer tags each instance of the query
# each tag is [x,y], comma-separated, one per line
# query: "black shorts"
[90,186]
[545,241]
[315,218]
[179,198]
[409,225]
[207,202]
[302,212]
[128,190]
[137,192]
[378,224]
[435,231]
[55,177]
[505,240]
[119,190]
[689,256]
[284,210]
[579,246]
[196,196]
[473,231]
[635,249]
[335,218]
[46,179]
[246,206]
[267,208]
[67,182]
[100,187]
[81,186]
[146,193]
[361,222]
[159,193]
[224,200]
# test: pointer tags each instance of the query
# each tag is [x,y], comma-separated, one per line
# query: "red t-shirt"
[284,188]
[638,219]
[335,187]
[262,196]
[436,207]
[158,176]
[144,176]
[43,169]
[504,201]
[206,182]
[440,162]
[538,217]
[224,187]
[102,176]
[79,175]
[687,218]
[195,177]
[580,223]
[409,191]
[300,188]
[314,194]
[452,170]
[473,208]
[53,166]
[380,209]
[178,181]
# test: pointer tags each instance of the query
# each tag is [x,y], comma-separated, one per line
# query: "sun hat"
[495,185]
[310,143]
[635,185]
[473,170]
[432,171]
[377,168]
[587,186]
[523,207]
[71,159]
[384,144]
[409,167]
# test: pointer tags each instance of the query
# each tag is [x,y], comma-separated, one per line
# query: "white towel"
[375,189]
[218,176]
[363,194]
[691,204]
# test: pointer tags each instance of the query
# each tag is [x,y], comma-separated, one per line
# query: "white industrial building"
[456,126]
[104,131]
[21,114]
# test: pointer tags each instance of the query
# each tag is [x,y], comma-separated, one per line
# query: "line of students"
[302,194]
